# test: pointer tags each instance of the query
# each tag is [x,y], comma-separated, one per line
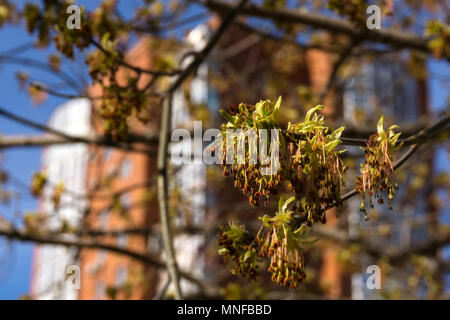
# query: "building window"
[107,154]
[125,201]
[99,263]
[100,290]
[126,168]
[103,219]
[121,276]
[154,243]
[122,241]
[382,85]
[111,172]
[92,155]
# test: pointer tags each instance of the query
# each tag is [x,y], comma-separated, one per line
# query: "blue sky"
[15,260]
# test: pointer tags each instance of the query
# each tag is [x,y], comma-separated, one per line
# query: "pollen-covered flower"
[315,169]
[248,130]
[38,183]
[286,262]
[238,247]
[308,161]
[377,171]
[282,241]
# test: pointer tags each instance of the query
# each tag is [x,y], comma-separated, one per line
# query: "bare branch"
[387,36]
[41,66]
[233,10]
[351,136]
[162,163]
[265,34]
[156,73]
[70,138]
[144,258]
[413,138]
[14,141]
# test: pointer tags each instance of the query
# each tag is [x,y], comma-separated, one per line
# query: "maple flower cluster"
[377,171]
[239,247]
[282,243]
[315,170]
[247,176]
[310,167]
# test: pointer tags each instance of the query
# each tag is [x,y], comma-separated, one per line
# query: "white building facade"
[55,270]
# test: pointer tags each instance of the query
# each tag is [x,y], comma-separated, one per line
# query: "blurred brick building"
[117,182]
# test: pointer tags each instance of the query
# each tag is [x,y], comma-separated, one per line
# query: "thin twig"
[414,138]
[136,69]
[75,139]
[200,56]
[41,66]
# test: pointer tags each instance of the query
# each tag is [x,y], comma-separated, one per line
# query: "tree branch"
[155,73]
[351,136]
[233,10]
[162,163]
[393,257]
[104,141]
[387,36]
[15,141]
[144,258]
[413,138]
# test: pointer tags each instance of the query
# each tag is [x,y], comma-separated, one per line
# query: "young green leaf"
[311,111]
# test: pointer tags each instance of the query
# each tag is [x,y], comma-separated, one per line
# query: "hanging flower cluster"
[307,160]
[315,169]
[278,239]
[38,183]
[377,170]
[238,246]
[311,168]
[245,123]
[103,28]
[439,34]
[311,165]
[57,194]
[49,24]
[282,242]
